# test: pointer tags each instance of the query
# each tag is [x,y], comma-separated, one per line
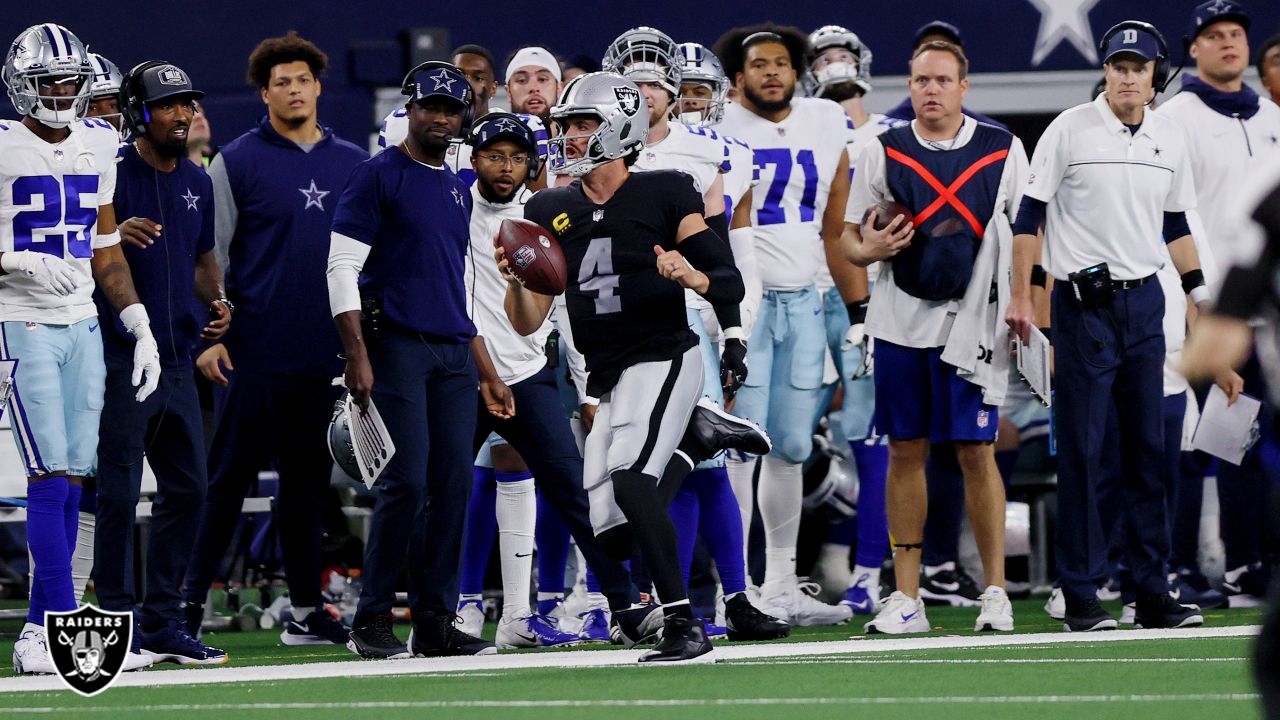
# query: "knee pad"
[792,446]
[617,542]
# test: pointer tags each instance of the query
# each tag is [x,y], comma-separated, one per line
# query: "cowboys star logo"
[88,646]
[443,80]
[628,100]
[504,125]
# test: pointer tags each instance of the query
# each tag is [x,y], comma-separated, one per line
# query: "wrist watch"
[231,308]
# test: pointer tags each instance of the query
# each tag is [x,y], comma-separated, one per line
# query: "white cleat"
[532,631]
[793,602]
[31,653]
[137,661]
[1056,605]
[900,615]
[470,617]
[997,611]
[1129,614]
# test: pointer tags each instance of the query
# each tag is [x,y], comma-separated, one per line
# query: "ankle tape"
[909,546]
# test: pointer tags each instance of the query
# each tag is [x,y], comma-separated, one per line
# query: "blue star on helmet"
[443,80]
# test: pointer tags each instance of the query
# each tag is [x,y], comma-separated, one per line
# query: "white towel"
[978,345]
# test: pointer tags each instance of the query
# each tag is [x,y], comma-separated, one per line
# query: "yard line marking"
[598,658]
[652,703]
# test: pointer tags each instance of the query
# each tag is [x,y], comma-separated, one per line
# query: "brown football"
[883,213]
[534,256]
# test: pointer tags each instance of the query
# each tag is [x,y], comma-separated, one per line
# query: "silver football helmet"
[700,65]
[42,56]
[106,77]
[645,54]
[340,438]
[818,80]
[613,100]
[833,497]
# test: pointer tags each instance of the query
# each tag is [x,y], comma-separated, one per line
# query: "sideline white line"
[599,658]
[983,661]
[652,703]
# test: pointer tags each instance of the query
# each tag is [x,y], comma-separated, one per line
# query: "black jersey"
[622,310]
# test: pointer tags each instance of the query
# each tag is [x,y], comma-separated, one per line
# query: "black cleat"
[373,639]
[192,620]
[949,586]
[1087,616]
[743,621]
[684,640]
[638,625]
[439,636]
[711,430]
[1162,611]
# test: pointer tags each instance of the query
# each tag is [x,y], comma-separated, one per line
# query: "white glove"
[146,353]
[53,273]
[855,336]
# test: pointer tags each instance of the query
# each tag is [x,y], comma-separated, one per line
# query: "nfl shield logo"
[524,256]
[88,646]
[984,418]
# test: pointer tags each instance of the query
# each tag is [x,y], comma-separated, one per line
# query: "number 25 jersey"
[49,198]
[797,159]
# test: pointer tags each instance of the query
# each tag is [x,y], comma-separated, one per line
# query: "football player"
[104,93]
[58,239]
[799,144]
[625,237]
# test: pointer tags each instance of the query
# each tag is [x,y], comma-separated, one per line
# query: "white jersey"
[861,135]
[49,199]
[515,357]
[696,152]
[1108,189]
[743,173]
[1224,150]
[395,128]
[797,158]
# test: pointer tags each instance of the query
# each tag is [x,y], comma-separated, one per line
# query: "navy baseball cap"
[938,27]
[163,80]
[1212,11]
[497,126]
[437,79]
[1131,40]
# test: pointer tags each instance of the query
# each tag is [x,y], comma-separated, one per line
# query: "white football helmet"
[645,54]
[106,77]
[700,65]
[818,81]
[44,55]
[613,100]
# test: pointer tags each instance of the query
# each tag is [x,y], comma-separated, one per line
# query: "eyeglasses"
[500,159]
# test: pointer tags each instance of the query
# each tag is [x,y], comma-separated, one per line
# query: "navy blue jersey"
[164,273]
[416,220]
[284,202]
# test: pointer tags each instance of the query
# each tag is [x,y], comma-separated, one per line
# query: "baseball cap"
[938,27]
[1131,40]
[164,80]
[534,56]
[1210,12]
[437,79]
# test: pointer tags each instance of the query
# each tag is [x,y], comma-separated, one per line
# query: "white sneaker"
[137,661]
[1128,615]
[899,616]
[470,617]
[997,611]
[798,606]
[30,653]
[1056,605]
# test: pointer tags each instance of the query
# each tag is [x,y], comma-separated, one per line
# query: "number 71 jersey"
[49,198]
[797,159]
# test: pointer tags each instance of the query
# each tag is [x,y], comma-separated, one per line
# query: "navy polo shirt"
[416,219]
[180,201]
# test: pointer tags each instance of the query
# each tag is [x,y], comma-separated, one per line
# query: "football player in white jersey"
[57,237]
[104,100]
[799,144]
[840,70]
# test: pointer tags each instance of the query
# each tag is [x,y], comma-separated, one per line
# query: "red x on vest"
[947,195]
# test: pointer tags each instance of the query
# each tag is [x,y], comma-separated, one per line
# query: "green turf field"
[1200,677]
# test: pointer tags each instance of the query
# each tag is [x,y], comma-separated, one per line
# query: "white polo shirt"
[1108,189]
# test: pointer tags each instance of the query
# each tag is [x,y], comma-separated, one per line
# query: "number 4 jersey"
[49,198]
[797,159]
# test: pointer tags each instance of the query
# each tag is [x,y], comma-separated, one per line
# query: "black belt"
[1131,284]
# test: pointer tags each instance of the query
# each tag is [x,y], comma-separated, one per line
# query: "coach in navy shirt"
[166,206]
[276,186]
[402,229]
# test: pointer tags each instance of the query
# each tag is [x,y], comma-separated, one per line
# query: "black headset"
[534,161]
[1161,77]
[133,107]
[409,89]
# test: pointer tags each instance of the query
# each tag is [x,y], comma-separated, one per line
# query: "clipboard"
[1033,364]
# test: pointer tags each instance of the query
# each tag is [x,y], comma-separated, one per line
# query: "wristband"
[734,333]
[11,261]
[106,241]
[135,320]
[857,311]
[1191,280]
[1199,294]
[1039,277]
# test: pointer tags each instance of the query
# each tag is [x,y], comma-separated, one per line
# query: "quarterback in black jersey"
[626,237]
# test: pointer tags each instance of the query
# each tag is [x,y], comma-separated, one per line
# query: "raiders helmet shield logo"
[88,646]
[628,100]
[170,75]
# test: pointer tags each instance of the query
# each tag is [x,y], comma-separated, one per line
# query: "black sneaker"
[439,636]
[743,621]
[317,628]
[1086,616]
[172,644]
[1162,611]
[712,429]
[684,640]
[374,640]
[1190,587]
[637,625]
[949,586]
[1245,586]
[192,619]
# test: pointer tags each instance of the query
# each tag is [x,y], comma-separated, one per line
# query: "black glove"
[733,367]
